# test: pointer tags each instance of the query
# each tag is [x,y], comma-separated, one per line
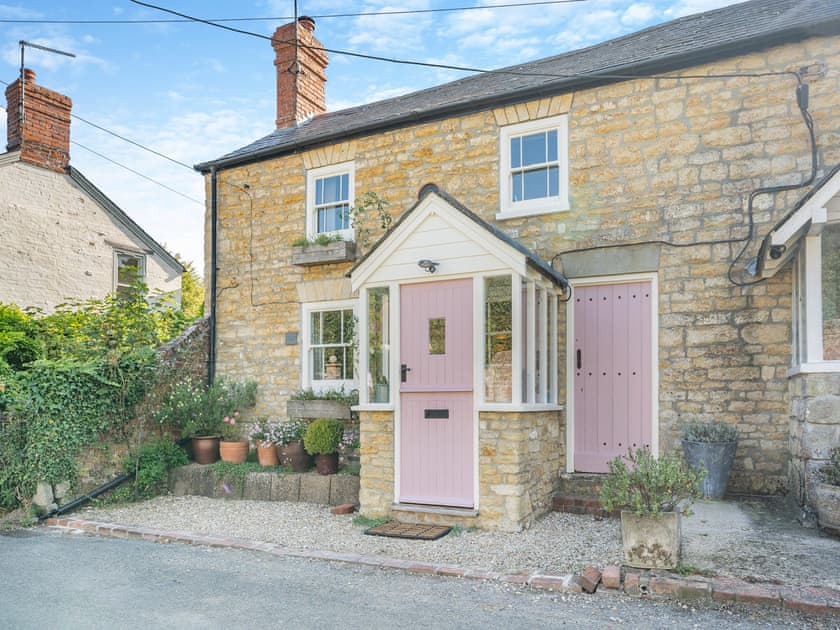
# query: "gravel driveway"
[753,539]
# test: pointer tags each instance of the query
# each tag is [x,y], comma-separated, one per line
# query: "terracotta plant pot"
[234,452]
[294,455]
[267,455]
[205,449]
[326,464]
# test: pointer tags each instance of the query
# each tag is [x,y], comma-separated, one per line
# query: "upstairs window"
[329,196]
[128,268]
[534,168]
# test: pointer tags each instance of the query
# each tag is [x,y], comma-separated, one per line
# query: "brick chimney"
[44,137]
[300,87]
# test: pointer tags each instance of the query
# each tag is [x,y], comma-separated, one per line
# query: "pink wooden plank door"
[613,395]
[436,398]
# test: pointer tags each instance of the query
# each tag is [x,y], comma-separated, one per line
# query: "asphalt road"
[48,580]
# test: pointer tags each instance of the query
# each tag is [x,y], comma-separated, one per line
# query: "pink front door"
[436,393]
[613,391]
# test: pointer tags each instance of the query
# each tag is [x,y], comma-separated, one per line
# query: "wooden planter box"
[314,254]
[318,409]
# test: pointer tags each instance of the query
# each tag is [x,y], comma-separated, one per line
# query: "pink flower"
[235,414]
[226,419]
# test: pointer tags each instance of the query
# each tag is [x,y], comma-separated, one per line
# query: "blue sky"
[194,92]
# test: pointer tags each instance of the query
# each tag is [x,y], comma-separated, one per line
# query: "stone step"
[581,483]
[574,503]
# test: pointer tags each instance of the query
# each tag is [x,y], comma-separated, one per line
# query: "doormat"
[395,529]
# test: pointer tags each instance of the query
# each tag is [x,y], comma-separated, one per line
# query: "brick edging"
[635,582]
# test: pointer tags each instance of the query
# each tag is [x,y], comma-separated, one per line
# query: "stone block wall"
[814,432]
[662,159]
[376,456]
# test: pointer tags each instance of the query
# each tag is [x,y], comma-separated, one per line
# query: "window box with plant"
[329,404]
[827,494]
[322,439]
[323,249]
[652,494]
[710,446]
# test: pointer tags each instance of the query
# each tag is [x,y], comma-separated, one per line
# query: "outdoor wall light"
[427,265]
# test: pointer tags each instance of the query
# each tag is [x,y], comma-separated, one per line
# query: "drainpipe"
[211,355]
[87,497]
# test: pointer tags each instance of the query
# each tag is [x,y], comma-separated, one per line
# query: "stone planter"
[205,449]
[827,503]
[716,459]
[293,454]
[651,542]
[315,254]
[318,409]
[234,452]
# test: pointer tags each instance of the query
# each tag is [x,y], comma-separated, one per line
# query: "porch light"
[427,265]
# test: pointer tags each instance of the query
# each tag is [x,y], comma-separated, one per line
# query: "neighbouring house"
[588,251]
[62,238]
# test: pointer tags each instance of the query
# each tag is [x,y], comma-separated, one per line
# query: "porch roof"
[533,261]
[807,217]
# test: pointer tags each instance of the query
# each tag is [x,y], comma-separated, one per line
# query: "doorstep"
[199,480]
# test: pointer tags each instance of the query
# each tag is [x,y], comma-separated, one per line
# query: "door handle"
[579,362]
[404,370]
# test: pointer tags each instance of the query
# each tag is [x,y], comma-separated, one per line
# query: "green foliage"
[650,485]
[709,432]
[192,291]
[368,212]
[830,472]
[235,475]
[17,483]
[321,239]
[323,436]
[200,410]
[367,523]
[152,464]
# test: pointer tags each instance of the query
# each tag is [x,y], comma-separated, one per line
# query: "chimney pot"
[28,75]
[307,22]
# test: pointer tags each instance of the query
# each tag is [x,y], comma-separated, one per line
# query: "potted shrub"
[827,494]
[710,446]
[652,494]
[322,439]
[266,436]
[291,451]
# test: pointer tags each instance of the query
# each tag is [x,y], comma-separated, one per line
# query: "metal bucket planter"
[716,459]
[651,541]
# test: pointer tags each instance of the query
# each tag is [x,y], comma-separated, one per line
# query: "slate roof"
[121,217]
[681,43]
[531,258]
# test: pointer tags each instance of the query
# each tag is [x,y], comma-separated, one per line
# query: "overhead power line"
[443,66]
[290,17]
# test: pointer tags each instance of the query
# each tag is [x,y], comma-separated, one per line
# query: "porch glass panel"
[498,339]
[379,344]
[831,291]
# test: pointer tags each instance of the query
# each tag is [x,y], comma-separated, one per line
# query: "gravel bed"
[557,542]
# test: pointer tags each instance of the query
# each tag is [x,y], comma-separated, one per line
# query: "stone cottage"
[62,237]
[587,251]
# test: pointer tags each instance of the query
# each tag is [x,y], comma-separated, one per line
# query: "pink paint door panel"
[436,398]
[613,406]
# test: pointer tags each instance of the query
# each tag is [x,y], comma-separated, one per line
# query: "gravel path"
[558,542]
[756,540]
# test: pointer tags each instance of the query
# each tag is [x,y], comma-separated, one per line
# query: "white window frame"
[807,338]
[312,176]
[509,209]
[127,252]
[307,382]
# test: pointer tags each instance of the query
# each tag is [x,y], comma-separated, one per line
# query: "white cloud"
[689,7]
[41,59]
[638,14]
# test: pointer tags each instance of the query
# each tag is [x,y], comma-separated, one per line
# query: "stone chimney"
[300,84]
[43,137]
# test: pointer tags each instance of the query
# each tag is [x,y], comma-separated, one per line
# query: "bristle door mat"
[395,529]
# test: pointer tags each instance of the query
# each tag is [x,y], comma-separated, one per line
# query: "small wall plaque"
[291,338]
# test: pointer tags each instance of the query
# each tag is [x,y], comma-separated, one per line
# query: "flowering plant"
[266,432]
[230,428]
[201,410]
[349,439]
[291,431]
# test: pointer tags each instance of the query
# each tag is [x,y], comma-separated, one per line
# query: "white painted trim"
[813,300]
[544,347]
[117,251]
[395,396]
[531,350]
[478,374]
[516,339]
[653,278]
[373,407]
[306,308]
[509,209]
[825,367]
[314,174]
[362,334]
[555,368]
